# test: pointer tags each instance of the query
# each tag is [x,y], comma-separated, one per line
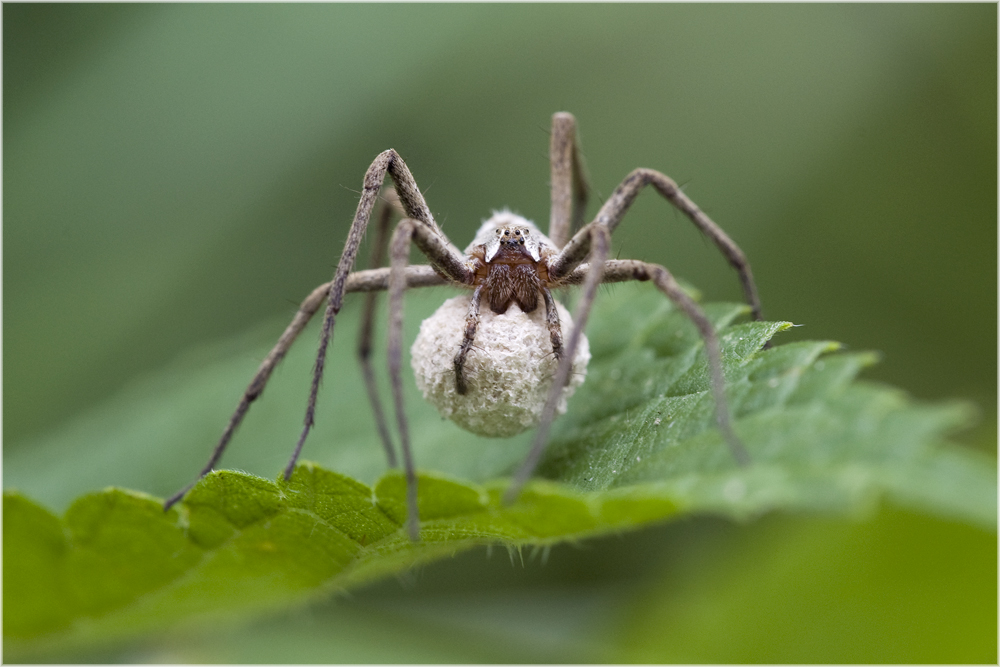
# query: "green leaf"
[637,446]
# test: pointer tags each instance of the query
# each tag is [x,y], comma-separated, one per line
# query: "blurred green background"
[176,175]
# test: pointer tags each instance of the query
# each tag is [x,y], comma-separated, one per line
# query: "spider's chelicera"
[505,356]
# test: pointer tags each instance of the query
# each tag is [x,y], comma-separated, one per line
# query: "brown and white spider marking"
[509,266]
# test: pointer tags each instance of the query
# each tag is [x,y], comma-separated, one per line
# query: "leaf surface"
[637,446]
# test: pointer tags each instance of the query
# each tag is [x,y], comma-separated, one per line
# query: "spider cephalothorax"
[511,266]
[510,257]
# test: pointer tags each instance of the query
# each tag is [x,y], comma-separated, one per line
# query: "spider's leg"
[568,179]
[599,249]
[399,253]
[666,283]
[616,271]
[367,331]
[471,324]
[448,260]
[253,391]
[552,321]
[614,210]
[435,248]
[360,281]
[377,280]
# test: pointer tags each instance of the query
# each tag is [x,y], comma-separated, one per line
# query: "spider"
[510,265]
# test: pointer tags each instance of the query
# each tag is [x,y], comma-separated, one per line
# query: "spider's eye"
[517,231]
[498,232]
[521,241]
[506,232]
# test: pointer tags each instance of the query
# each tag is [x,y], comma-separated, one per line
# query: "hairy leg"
[471,324]
[447,260]
[623,270]
[368,329]
[443,256]
[666,283]
[568,180]
[599,249]
[309,306]
[399,252]
[552,321]
[360,281]
[617,205]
